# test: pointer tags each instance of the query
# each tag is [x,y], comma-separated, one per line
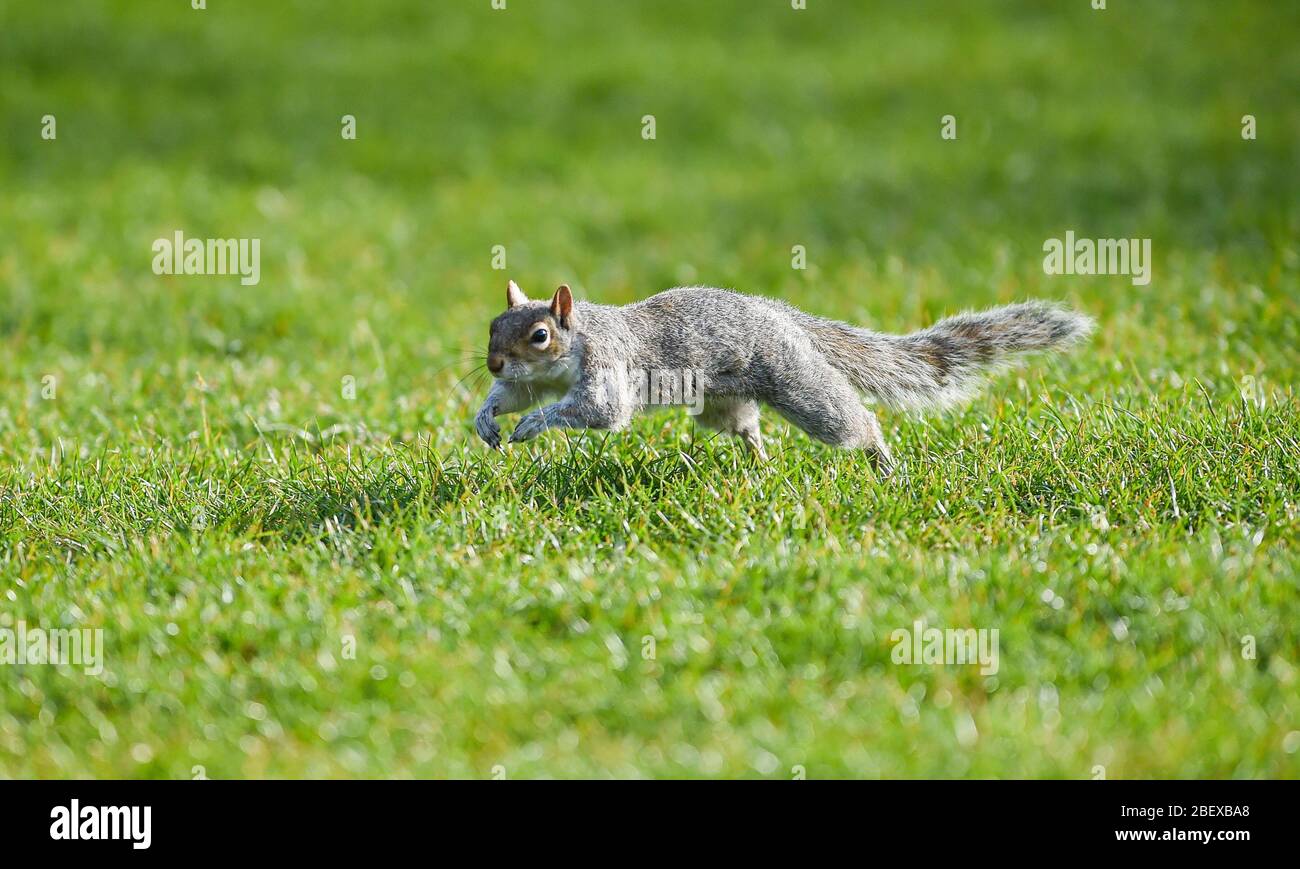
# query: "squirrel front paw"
[486,426]
[529,427]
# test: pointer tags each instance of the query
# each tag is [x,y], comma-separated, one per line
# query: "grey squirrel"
[737,351]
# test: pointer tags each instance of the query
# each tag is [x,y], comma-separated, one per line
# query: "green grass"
[200,489]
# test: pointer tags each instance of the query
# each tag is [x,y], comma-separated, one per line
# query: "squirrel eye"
[539,336]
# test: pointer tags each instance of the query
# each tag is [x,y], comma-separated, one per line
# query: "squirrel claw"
[528,428]
[488,431]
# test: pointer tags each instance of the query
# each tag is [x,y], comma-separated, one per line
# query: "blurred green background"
[199,485]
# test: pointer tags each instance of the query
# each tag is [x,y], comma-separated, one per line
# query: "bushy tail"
[946,363]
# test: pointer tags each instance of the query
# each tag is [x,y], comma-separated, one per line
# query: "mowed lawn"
[271,500]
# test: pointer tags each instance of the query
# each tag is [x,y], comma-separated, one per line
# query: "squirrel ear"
[562,304]
[514,295]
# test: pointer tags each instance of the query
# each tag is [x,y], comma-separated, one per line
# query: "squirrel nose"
[495,363]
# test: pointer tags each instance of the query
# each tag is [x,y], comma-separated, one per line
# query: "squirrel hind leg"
[876,447]
[736,416]
[829,409]
[753,439]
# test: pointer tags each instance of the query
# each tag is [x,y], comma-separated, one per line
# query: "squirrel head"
[531,339]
